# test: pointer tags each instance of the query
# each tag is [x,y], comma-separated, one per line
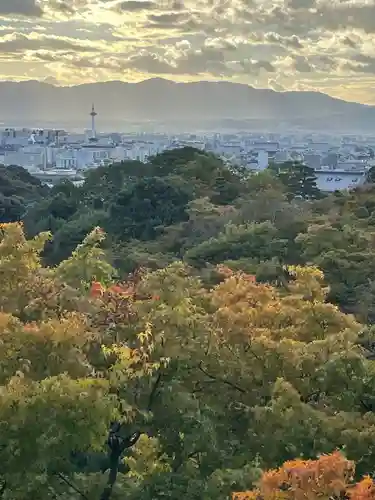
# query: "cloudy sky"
[325,45]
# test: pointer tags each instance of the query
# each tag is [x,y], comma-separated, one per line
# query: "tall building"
[93,114]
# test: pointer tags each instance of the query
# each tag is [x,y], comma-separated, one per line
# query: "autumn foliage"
[328,477]
[159,384]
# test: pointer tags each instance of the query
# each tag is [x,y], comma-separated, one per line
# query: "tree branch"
[118,444]
[222,380]
[153,392]
[367,407]
[71,485]
[3,488]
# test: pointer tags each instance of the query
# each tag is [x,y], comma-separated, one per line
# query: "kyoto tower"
[93,129]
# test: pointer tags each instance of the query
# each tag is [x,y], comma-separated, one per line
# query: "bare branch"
[3,488]
[222,380]
[71,485]
[153,392]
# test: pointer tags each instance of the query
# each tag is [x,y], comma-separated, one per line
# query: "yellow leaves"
[147,459]
[245,309]
[87,263]
[303,273]
[42,349]
[246,495]
[19,259]
[14,245]
[307,282]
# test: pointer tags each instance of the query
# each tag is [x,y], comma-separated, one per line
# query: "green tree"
[299,180]
[110,390]
[252,241]
[145,208]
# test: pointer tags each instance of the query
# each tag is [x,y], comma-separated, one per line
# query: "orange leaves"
[246,308]
[311,479]
[330,476]
[364,490]
[96,290]
[246,495]
[227,273]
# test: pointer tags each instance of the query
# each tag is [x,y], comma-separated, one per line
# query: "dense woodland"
[182,329]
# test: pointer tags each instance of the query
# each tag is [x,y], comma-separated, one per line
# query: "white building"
[335,179]
[258,160]
[30,157]
[66,159]
[312,160]
[91,154]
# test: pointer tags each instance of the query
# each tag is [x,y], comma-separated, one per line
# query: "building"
[338,179]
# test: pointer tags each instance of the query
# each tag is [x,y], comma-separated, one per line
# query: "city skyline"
[318,45]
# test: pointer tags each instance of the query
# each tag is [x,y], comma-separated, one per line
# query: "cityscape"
[339,162]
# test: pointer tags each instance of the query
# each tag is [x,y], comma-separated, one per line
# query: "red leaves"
[249,277]
[96,290]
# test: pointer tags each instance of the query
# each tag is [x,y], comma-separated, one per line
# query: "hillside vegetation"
[18,190]
[186,205]
[177,330]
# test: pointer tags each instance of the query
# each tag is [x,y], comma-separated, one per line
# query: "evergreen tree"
[298,179]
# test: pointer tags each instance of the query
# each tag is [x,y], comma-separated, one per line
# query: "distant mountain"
[217,104]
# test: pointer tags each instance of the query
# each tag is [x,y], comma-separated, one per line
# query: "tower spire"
[93,114]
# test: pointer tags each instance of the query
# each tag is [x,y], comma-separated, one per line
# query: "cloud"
[302,65]
[180,61]
[29,8]
[286,41]
[361,63]
[133,6]
[349,42]
[19,42]
[301,4]
[326,45]
[167,21]
[254,67]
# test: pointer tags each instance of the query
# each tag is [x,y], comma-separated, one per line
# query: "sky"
[321,45]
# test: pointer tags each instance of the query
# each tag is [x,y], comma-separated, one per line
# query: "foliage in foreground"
[330,476]
[157,386]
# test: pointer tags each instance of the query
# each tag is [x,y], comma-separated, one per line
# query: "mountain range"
[200,104]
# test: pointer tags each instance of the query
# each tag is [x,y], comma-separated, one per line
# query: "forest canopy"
[179,329]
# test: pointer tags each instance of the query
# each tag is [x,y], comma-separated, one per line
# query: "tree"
[18,190]
[71,233]
[172,161]
[124,376]
[299,180]
[253,241]
[11,209]
[330,476]
[56,399]
[197,373]
[344,253]
[149,204]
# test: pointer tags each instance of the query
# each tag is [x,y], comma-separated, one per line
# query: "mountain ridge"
[162,100]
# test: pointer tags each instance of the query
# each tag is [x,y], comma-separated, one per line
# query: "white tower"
[93,129]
